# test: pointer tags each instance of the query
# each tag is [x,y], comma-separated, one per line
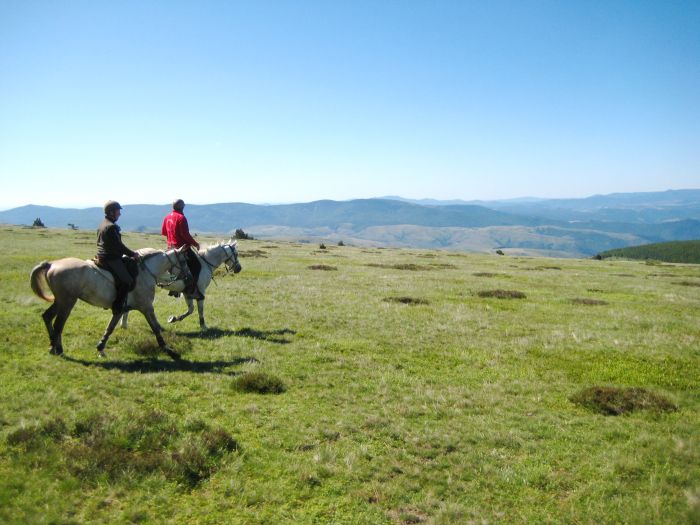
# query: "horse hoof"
[54,350]
[172,319]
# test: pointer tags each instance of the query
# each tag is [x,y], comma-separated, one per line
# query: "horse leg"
[190,309]
[108,331]
[125,320]
[200,309]
[62,312]
[150,316]
[48,317]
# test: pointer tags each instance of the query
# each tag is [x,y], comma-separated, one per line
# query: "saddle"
[131,266]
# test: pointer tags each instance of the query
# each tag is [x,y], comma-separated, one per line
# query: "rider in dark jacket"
[110,250]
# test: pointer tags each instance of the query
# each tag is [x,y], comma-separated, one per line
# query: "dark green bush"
[259,383]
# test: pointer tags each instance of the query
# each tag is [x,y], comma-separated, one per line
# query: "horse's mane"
[147,253]
[215,245]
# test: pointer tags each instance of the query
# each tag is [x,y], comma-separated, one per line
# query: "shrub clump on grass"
[259,383]
[502,294]
[97,447]
[405,266]
[255,253]
[614,401]
[405,300]
[322,267]
[687,283]
[32,436]
[587,301]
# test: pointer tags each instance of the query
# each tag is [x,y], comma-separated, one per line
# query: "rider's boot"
[119,304]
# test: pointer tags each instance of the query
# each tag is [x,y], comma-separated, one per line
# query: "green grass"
[403,386]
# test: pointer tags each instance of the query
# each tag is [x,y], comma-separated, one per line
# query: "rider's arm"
[184,233]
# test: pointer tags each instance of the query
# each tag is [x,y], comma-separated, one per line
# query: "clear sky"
[293,101]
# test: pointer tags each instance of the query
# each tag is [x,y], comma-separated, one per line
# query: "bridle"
[232,259]
[229,262]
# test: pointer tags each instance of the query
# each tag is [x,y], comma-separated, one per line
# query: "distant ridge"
[687,252]
[529,226]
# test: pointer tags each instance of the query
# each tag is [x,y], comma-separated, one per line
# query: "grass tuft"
[404,266]
[587,301]
[259,383]
[502,294]
[132,447]
[406,300]
[32,436]
[614,401]
[322,267]
[255,253]
[687,283]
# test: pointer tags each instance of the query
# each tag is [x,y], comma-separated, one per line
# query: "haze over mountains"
[529,226]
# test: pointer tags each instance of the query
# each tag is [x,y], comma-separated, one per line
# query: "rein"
[167,255]
[228,259]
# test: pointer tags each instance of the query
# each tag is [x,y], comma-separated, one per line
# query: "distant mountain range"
[529,226]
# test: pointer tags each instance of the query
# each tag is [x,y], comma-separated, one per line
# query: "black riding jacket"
[109,242]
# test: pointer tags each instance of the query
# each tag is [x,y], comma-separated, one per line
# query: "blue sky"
[294,101]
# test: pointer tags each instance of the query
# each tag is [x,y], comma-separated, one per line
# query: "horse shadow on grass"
[157,365]
[271,336]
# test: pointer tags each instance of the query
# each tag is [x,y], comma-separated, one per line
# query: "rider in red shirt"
[177,231]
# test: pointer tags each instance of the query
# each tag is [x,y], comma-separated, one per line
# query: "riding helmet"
[110,206]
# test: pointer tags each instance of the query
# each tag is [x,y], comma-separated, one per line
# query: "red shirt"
[176,229]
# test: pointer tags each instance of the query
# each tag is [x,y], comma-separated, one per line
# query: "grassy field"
[359,386]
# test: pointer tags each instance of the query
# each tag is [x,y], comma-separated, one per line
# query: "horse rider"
[177,231]
[113,255]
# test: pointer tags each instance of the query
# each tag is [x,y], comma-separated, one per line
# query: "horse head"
[231,250]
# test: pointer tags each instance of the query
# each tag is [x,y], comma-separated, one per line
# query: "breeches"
[121,274]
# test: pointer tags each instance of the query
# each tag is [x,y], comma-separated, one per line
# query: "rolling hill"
[554,227]
[687,252]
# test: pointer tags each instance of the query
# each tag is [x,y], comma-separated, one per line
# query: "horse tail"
[39,283]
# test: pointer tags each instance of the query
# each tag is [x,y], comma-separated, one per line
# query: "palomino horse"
[71,279]
[210,258]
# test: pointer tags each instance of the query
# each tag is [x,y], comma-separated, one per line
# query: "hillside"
[561,228]
[673,252]
[354,385]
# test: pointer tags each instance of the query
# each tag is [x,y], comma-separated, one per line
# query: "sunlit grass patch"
[259,383]
[614,401]
[502,294]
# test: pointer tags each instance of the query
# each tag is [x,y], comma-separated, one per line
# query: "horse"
[71,279]
[210,258]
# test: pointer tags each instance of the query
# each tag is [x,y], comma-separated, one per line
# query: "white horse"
[71,279]
[210,259]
